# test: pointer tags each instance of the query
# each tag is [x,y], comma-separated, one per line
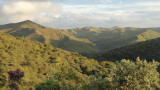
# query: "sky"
[81,13]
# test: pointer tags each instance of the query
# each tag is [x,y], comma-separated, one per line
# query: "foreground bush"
[139,75]
[48,85]
[124,75]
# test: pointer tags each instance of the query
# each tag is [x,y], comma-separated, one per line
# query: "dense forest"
[33,65]
[147,50]
[34,57]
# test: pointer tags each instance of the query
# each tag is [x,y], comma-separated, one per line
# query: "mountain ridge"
[33,31]
[111,38]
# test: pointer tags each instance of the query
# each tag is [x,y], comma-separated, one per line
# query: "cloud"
[138,15]
[36,11]
[61,15]
[37,0]
[102,1]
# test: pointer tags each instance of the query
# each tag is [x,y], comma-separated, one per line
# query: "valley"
[54,59]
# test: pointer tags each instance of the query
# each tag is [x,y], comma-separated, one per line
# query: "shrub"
[15,75]
[139,75]
[13,86]
[3,80]
[48,85]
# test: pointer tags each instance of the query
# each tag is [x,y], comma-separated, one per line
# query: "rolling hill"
[37,60]
[149,50]
[88,40]
[32,31]
[48,68]
[110,38]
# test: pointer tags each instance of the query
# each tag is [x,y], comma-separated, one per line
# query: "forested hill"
[33,31]
[146,50]
[111,38]
[37,60]
[86,41]
[31,65]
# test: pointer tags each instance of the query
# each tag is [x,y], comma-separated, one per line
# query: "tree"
[137,75]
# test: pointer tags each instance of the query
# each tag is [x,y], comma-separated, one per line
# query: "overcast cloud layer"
[81,13]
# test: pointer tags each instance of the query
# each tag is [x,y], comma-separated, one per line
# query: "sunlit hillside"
[37,60]
[32,31]
[110,38]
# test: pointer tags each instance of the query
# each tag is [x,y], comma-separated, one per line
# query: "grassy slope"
[37,59]
[32,31]
[110,38]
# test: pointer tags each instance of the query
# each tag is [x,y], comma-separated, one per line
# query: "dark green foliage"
[48,85]
[97,83]
[147,50]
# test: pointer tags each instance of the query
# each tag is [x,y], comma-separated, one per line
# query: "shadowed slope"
[147,50]
[110,38]
[32,31]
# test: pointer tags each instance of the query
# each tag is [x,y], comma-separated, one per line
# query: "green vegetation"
[147,50]
[37,60]
[87,41]
[139,75]
[110,38]
[48,85]
[42,67]
[26,64]
[126,75]
[32,31]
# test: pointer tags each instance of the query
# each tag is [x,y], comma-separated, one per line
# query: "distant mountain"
[146,50]
[87,41]
[37,60]
[32,31]
[110,38]
[147,35]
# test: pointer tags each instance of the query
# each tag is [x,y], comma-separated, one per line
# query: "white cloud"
[36,11]
[102,1]
[36,0]
[138,14]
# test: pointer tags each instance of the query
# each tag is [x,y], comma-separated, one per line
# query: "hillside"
[43,67]
[32,31]
[110,38]
[146,50]
[37,60]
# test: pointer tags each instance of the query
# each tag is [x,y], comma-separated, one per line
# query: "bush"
[13,86]
[15,75]
[139,75]
[48,85]
[97,83]
[3,80]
